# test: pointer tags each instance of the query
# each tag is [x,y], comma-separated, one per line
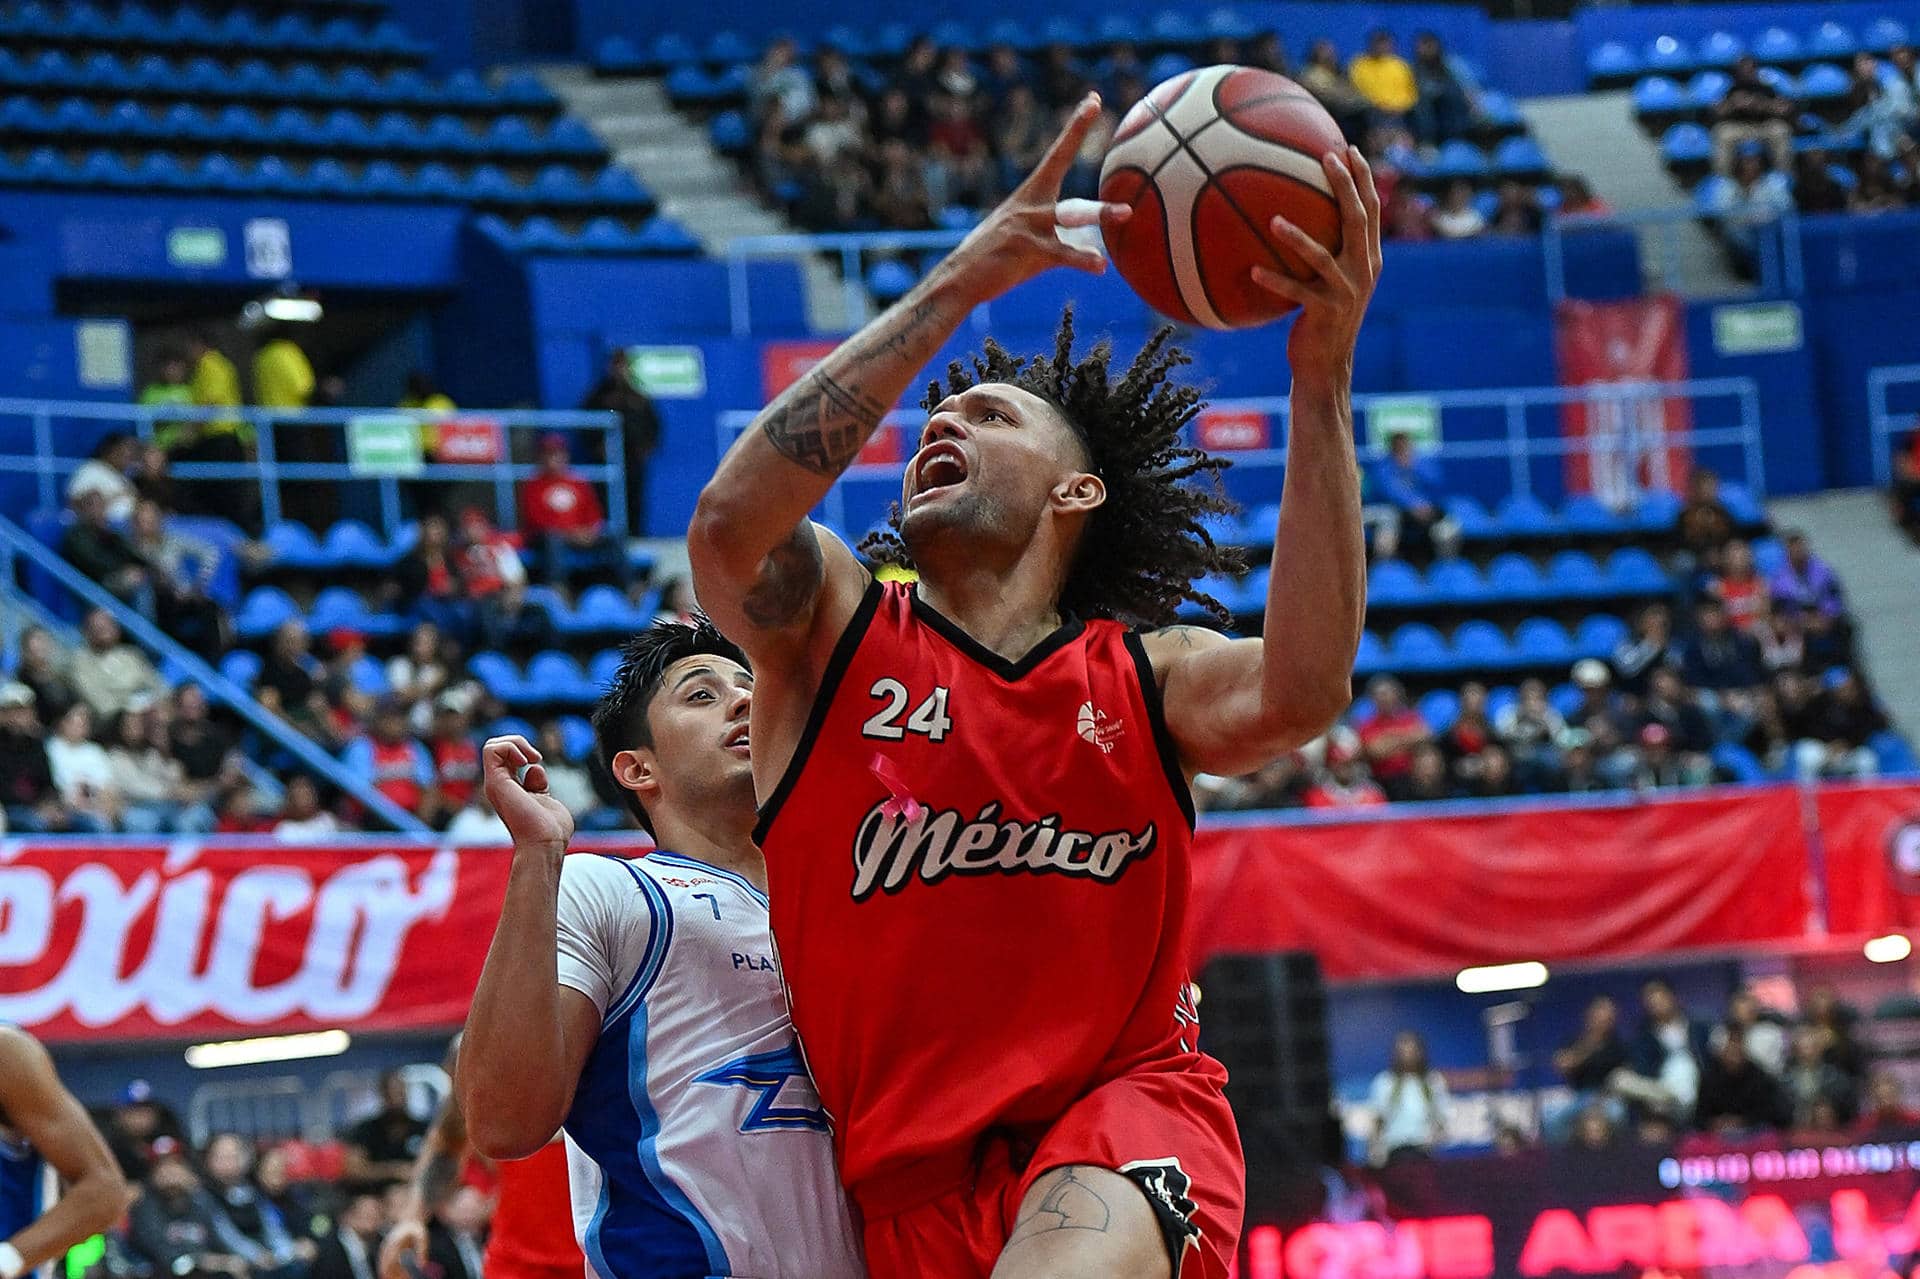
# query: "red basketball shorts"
[1168,1131]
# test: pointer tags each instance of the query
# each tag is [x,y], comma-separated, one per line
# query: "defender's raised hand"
[535,819]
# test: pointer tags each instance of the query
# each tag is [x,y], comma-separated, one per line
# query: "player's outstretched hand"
[406,1239]
[1334,299]
[535,819]
[1020,238]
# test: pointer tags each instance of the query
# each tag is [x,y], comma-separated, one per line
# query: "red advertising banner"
[470,441]
[1870,845]
[1630,440]
[1233,430]
[219,941]
[1379,898]
[784,363]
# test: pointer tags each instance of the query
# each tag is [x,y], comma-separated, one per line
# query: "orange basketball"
[1206,160]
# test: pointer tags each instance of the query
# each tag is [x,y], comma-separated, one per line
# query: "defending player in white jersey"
[697,1146]
[46,1139]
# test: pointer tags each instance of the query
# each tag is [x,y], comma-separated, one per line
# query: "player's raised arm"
[1234,705]
[759,564]
[527,1036]
[39,1106]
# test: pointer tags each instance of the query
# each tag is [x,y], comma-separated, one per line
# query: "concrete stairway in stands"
[1596,136]
[1878,568]
[696,186]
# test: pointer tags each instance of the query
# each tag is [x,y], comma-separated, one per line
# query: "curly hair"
[1147,544]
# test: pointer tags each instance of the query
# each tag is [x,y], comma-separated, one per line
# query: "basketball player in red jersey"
[975,809]
[532,1234]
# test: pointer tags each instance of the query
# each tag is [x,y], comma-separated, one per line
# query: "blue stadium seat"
[1832,40]
[273,175]
[407,86]
[1480,645]
[1824,80]
[540,235]
[102,71]
[1514,577]
[1519,156]
[1585,513]
[509,725]
[382,179]
[604,666]
[889,280]
[1499,111]
[1895,754]
[1573,574]
[369,676]
[1064,30]
[1173,26]
[1168,65]
[1657,95]
[1460,159]
[730,133]
[352,544]
[394,131]
[605,235]
[1440,708]
[1455,582]
[344,130]
[389,37]
[617,186]
[1599,635]
[436,181]
[602,609]
[44,165]
[339,35]
[290,126]
[292,545]
[1523,515]
[1782,81]
[576,737]
[1720,49]
[1776,44]
[127,121]
[1707,88]
[1229,24]
[1738,763]
[728,47]
[1668,54]
[1884,33]
[568,136]
[487,184]
[1707,196]
[263,611]
[617,55]
[513,135]
[1418,647]
[1541,641]
[558,184]
[1612,60]
[1472,518]
[242,666]
[1499,698]
[1371,657]
[252,79]
[671,50]
[327,176]
[159,171]
[662,235]
[1740,504]
[1686,143]
[498,675]
[523,89]
[104,169]
[556,677]
[306,81]
[1394,582]
[448,134]
[1633,571]
[152,71]
[1261,524]
[951,33]
[1566,699]
[338,607]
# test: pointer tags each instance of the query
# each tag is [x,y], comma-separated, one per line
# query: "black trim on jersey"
[1157,715]
[973,650]
[837,664]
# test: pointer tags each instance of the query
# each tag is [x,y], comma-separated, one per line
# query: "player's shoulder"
[22,1058]
[1168,645]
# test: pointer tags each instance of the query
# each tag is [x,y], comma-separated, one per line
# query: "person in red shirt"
[489,559]
[1388,738]
[1741,590]
[1344,783]
[455,754]
[395,763]
[561,512]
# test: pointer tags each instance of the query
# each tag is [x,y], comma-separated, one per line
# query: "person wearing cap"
[45,1136]
[389,759]
[455,753]
[1344,782]
[30,800]
[561,513]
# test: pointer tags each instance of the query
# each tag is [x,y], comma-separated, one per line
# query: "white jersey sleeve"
[605,932]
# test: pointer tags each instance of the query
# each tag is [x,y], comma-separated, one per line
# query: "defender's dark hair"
[620,716]
[1146,545]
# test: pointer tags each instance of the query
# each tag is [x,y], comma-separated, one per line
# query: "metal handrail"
[15,540]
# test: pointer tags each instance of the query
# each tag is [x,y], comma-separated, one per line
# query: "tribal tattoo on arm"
[789,579]
[1070,1204]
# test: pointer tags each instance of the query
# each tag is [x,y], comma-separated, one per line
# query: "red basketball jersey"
[533,1218]
[979,873]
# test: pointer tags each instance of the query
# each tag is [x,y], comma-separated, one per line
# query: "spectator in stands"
[475,824]
[1647,648]
[454,752]
[282,374]
[171,385]
[342,677]
[1343,781]
[1815,189]
[1390,734]
[958,169]
[1470,731]
[423,394]
[382,1147]
[1001,73]
[1704,523]
[1579,769]
[563,512]
[1764,1036]
[1654,764]
[1885,1112]
[1428,780]
[1783,642]
[1444,109]
[489,560]
[1904,499]
[204,747]
[1671,706]
[351,1250]
[1282,783]
[391,760]
[1741,590]
[1404,212]
[1492,777]
[1062,82]
[176,1227]
[1878,189]
[781,89]
[1880,109]
[107,672]
[900,198]
[1844,723]
[296,1206]
[1813,1081]
[82,770]
[1718,659]
[1413,486]
[151,783]
[1409,1101]
[289,683]
[215,384]
[1736,1094]
[1517,211]
[253,1228]
[570,783]
[106,472]
[427,580]
[1754,195]
[1806,588]
[1823,1011]
[92,545]
[1020,134]
[31,800]
[181,569]
[303,819]
[1588,1063]
[1665,1057]
[1384,78]
[1599,703]
[455,1238]
[418,673]
[43,668]
[1577,199]
[1323,77]
[1456,217]
[1531,730]
[1751,111]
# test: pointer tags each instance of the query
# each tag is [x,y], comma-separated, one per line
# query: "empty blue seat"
[1884,33]
[352,544]
[1371,657]
[1895,754]
[290,126]
[344,130]
[1513,577]
[604,666]
[307,81]
[341,35]
[263,611]
[104,169]
[1500,698]
[617,186]
[449,134]
[727,47]
[327,176]
[1781,81]
[1824,80]
[1720,49]
[1686,143]
[1832,40]
[541,235]
[671,49]
[1499,111]
[1440,708]
[1566,698]
[1173,26]
[406,85]
[1740,504]
[1460,159]
[1574,574]
[242,666]
[394,131]
[617,55]
[1063,30]
[568,136]
[103,71]
[1394,582]
[272,174]
[1657,95]
[383,179]
[1668,53]
[1599,635]
[1519,156]
[369,676]
[1417,647]
[511,725]
[1632,571]
[239,125]
[1585,513]
[1656,509]
[576,736]
[558,184]
[730,133]
[1472,518]
[1738,763]
[338,606]
[292,545]
[1707,88]
[1541,641]
[556,677]
[436,181]
[605,235]
[603,609]
[498,675]
[1776,44]
[1479,645]
[1455,582]
[513,135]
[487,184]
[1261,524]
[1523,515]
[159,171]
[890,279]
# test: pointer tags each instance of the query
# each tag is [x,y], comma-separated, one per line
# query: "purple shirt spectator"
[1805,582]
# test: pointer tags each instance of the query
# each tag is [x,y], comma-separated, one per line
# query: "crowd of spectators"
[845,146]
[231,1209]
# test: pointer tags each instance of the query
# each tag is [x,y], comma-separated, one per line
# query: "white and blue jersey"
[696,1144]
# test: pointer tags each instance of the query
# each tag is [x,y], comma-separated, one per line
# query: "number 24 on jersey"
[929,718]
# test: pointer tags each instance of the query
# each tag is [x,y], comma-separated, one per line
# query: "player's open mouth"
[737,740]
[940,465]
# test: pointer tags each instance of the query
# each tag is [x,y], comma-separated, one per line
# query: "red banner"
[1630,439]
[1233,430]
[786,362]
[1379,898]
[220,941]
[471,441]
[1870,844]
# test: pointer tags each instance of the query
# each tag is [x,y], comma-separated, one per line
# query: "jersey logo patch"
[784,1094]
[1098,727]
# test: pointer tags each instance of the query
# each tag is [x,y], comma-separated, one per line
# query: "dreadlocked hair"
[1148,543]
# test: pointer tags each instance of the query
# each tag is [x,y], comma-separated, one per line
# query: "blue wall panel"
[1850,336]
[1790,418]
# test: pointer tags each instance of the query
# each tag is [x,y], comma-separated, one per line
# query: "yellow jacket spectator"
[282,377]
[424,397]
[215,384]
[1384,76]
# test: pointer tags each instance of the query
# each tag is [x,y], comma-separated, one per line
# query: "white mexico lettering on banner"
[362,916]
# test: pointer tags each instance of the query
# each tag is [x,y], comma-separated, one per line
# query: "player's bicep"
[1210,690]
[46,1114]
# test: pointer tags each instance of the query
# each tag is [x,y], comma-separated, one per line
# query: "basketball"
[1206,160]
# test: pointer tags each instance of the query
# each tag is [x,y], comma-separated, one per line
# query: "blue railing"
[50,422]
[1885,421]
[16,542]
[1627,437]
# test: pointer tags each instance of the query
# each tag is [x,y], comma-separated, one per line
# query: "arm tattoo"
[821,424]
[1071,1204]
[789,578]
[1182,634]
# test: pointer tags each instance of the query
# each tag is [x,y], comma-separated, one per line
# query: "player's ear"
[1081,492]
[637,771]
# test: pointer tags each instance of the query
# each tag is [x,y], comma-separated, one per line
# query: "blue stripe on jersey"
[664,1185]
[659,938]
[694,863]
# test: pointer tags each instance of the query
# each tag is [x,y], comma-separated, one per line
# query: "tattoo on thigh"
[1070,1204]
